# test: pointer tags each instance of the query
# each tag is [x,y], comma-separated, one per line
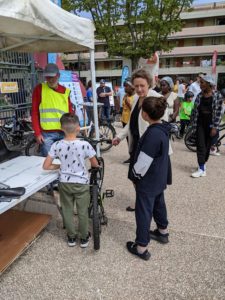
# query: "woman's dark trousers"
[203,142]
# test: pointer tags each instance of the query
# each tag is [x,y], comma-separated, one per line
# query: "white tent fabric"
[42,26]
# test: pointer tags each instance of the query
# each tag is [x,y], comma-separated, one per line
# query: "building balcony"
[102,73]
[86,56]
[194,51]
[188,70]
[206,11]
[199,32]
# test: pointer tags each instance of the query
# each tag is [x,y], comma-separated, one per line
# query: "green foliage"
[133,28]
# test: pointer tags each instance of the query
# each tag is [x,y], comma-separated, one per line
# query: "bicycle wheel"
[32,148]
[106,131]
[100,174]
[95,217]
[190,140]
[218,144]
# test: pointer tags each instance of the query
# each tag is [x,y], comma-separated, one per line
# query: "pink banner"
[214,59]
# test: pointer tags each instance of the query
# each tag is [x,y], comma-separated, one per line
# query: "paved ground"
[191,266]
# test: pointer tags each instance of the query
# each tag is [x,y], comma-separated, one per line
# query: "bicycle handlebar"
[94,142]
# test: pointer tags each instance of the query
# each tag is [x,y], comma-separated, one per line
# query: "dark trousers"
[90,114]
[183,125]
[203,142]
[146,207]
[106,113]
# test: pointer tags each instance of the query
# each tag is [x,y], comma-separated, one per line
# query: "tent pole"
[93,80]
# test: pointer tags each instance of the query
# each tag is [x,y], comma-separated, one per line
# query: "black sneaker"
[71,242]
[159,237]
[126,161]
[84,242]
[132,248]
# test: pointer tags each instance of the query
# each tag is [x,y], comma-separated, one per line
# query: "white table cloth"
[27,172]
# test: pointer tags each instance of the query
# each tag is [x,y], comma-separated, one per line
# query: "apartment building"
[203,33]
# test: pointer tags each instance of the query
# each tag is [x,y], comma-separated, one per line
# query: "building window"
[221,21]
[180,43]
[117,65]
[167,62]
[216,41]
[200,23]
[199,42]
[107,65]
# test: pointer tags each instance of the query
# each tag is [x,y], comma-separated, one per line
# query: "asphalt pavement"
[191,266]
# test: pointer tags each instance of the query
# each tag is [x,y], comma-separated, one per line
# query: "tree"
[133,28]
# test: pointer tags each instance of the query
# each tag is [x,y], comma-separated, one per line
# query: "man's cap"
[169,80]
[209,79]
[102,81]
[51,70]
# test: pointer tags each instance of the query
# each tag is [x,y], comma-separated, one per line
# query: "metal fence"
[16,67]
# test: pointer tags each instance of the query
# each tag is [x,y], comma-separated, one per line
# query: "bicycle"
[190,138]
[16,133]
[106,130]
[219,141]
[96,208]
[174,130]
[33,148]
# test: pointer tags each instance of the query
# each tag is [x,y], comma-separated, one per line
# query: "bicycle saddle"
[12,192]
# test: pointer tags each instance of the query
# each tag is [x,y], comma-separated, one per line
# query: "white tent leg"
[93,80]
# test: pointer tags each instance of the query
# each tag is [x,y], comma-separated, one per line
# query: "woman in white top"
[172,111]
[136,126]
[181,90]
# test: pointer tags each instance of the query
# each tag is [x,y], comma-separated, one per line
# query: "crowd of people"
[146,115]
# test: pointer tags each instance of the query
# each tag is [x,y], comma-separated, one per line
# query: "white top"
[142,124]
[121,93]
[24,171]
[169,110]
[72,155]
[195,89]
[181,90]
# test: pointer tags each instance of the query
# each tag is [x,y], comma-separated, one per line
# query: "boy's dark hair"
[69,122]
[188,95]
[154,107]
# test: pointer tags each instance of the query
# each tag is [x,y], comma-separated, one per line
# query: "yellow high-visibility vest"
[53,105]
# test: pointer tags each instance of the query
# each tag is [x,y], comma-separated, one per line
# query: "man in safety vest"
[50,101]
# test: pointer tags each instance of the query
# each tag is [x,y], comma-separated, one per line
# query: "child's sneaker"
[71,242]
[198,173]
[84,242]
